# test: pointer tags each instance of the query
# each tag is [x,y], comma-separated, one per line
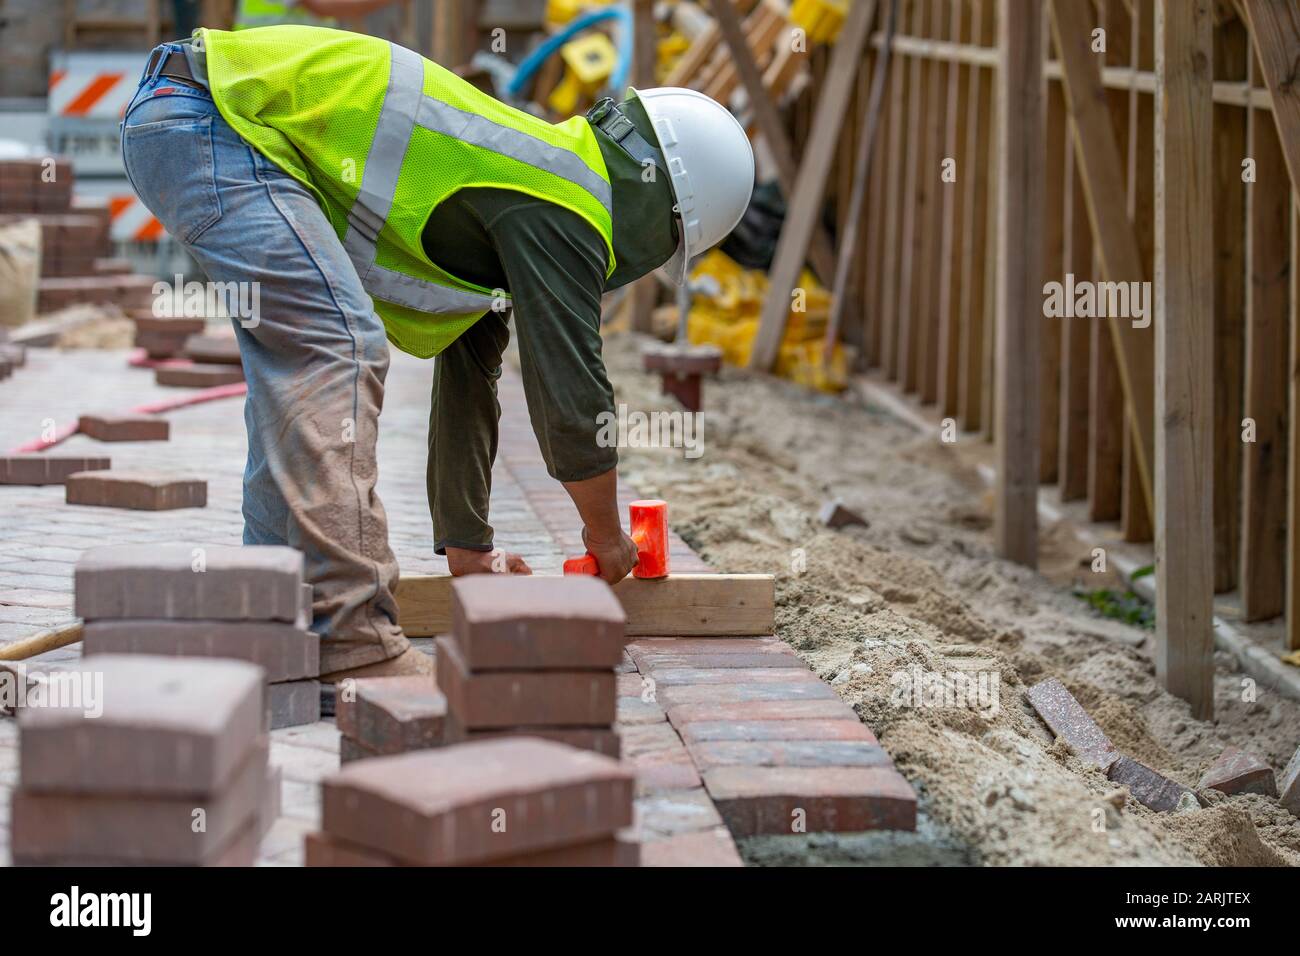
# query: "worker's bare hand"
[616,556]
[462,561]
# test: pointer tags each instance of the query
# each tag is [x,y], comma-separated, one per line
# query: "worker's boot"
[410,663]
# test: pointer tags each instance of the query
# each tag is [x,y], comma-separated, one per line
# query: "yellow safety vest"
[381,136]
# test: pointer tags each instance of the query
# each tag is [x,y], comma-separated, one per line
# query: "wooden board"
[909,281]
[896,159]
[954,211]
[805,203]
[1019,284]
[1103,175]
[1263,539]
[1231,64]
[1184,333]
[1293,445]
[819,250]
[1076,346]
[1056,143]
[703,605]
[976,252]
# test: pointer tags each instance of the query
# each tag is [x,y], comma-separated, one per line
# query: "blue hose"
[533,62]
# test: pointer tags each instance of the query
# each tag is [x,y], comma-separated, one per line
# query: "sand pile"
[920,591]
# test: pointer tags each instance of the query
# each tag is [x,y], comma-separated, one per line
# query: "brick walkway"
[687,708]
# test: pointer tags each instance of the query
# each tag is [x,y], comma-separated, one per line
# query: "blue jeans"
[315,356]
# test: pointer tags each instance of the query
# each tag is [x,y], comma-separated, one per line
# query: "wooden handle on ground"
[49,641]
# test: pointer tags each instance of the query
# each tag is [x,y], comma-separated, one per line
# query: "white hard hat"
[711,165]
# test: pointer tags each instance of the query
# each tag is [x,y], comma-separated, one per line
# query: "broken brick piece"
[1237,771]
[1067,718]
[509,622]
[391,715]
[139,827]
[834,515]
[292,703]
[46,469]
[141,724]
[774,800]
[477,802]
[1147,787]
[283,651]
[124,427]
[198,376]
[136,490]
[522,698]
[186,582]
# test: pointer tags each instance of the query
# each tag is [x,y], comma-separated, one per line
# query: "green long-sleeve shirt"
[553,263]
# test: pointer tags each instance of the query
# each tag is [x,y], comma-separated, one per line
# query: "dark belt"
[176,66]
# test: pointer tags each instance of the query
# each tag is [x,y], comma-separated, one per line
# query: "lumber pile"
[171,766]
[246,603]
[510,802]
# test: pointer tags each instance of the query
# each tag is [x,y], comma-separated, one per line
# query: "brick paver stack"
[533,655]
[75,244]
[247,603]
[382,716]
[143,760]
[516,801]
[164,336]
[213,360]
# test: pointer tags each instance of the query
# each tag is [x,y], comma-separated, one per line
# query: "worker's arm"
[343,9]
[554,263]
[463,417]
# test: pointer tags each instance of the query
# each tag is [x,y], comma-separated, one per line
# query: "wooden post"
[1184,333]
[1019,277]
[1293,444]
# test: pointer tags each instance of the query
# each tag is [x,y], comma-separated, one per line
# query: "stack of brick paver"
[533,656]
[75,246]
[141,760]
[213,360]
[247,603]
[382,716]
[163,336]
[511,802]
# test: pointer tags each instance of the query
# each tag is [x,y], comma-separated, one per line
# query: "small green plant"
[1126,605]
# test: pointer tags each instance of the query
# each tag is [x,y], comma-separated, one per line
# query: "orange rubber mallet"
[649,520]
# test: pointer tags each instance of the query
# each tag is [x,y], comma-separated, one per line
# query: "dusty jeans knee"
[314,354]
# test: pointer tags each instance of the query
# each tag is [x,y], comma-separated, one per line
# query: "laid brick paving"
[743,718]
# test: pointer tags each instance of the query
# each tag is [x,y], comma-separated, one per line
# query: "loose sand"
[921,588]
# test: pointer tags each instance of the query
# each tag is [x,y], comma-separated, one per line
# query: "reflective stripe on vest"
[405,107]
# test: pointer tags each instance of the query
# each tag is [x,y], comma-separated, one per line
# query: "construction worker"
[316,13]
[376,197]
